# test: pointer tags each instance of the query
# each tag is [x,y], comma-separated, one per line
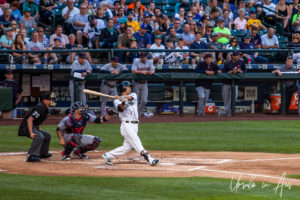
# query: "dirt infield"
[263,167]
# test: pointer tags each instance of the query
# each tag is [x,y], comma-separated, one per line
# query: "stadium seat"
[169,7]
[263,32]
[237,33]
[160,2]
[169,13]
[171,2]
[61,6]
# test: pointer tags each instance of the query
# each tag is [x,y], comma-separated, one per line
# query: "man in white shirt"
[92,31]
[59,34]
[158,56]
[68,13]
[269,40]
[182,57]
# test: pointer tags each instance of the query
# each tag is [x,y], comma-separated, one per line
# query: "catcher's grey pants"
[105,89]
[203,95]
[141,90]
[82,96]
[85,140]
[226,93]
[41,142]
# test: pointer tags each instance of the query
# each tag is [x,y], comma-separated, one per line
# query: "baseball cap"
[207,55]
[27,9]
[82,55]
[221,18]
[123,21]
[158,36]
[115,59]
[8,71]
[133,39]
[147,14]
[57,39]
[235,53]
[130,13]
[247,36]
[143,55]
[214,34]
[169,40]
[91,18]
[9,29]
[252,10]
[144,26]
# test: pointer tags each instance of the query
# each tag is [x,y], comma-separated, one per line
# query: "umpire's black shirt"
[39,114]
[201,68]
[240,64]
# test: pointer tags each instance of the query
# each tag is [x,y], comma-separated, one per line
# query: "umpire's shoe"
[155,162]
[107,159]
[44,156]
[33,158]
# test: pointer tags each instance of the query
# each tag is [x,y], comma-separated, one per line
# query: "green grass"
[69,188]
[250,136]
[297,176]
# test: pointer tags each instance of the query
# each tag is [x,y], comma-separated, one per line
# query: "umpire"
[30,127]
[109,86]
[142,66]
[203,86]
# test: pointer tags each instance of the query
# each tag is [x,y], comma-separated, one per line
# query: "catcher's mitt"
[112,112]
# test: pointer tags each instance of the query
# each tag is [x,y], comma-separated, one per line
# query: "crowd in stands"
[101,24]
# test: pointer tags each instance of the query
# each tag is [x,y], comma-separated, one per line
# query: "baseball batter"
[128,113]
[70,129]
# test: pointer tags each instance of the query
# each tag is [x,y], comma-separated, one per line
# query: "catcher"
[70,129]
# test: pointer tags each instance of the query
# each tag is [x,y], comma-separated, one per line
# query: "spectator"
[213,4]
[181,16]
[57,58]
[24,35]
[208,32]
[83,67]
[130,22]
[241,5]
[132,5]
[158,56]
[68,13]
[34,9]
[43,38]
[177,26]
[116,8]
[79,22]
[240,23]
[59,34]
[121,13]
[214,16]
[249,6]
[138,10]
[293,8]
[223,33]
[106,9]
[290,85]
[170,56]
[235,66]
[197,44]
[124,42]
[227,19]
[143,38]
[92,31]
[72,45]
[123,5]
[269,40]
[199,7]
[203,86]
[6,18]
[18,44]
[45,10]
[233,44]
[162,25]
[123,26]
[196,17]
[15,7]
[189,17]
[151,8]
[130,56]
[147,21]
[296,21]
[182,57]
[15,30]
[270,12]
[214,44]
[254,22]
[173,36]
[34,44]
[193,28]
[100,14]
[27,21]
[232,7]
[109,86]
[187,36]
[255,38]
[142,66]
[295,44]
[283,9]
[7,39]
[109,36]
[16,90]
[251,57]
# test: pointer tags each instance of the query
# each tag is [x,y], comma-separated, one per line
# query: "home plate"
[1,170]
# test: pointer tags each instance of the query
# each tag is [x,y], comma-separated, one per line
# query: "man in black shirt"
[30,127]
[203,86]
[235,66]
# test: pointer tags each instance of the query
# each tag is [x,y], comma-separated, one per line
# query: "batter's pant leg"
[37,142]
[125,148]
[46,143]
[130,133]
[143,97]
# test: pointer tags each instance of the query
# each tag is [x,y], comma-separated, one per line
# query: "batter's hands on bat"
[117,97]
[122,99]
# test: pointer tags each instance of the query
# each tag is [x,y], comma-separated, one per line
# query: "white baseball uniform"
[129,129]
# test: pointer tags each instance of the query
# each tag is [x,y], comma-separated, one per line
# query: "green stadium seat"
[169,7]
[263,32]
[61,6]
[237,33]
[169,13]
[145,2]
[171,2]
[160,2]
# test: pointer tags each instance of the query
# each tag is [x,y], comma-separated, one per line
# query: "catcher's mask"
[81,107]
[51,97]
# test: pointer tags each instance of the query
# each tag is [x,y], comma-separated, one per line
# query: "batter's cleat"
[33,158]
[80,155]
[155,162]
[66,157]
[44,156]
[107,159]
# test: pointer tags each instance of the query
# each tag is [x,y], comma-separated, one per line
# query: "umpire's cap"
[123,85]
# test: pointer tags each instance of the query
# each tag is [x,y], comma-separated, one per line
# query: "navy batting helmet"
[81,107]
[123,85]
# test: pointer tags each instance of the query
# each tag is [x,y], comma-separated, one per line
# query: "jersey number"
[36,114]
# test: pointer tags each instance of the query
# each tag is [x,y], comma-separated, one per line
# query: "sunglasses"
[190,16]
[234,41]
[13,24]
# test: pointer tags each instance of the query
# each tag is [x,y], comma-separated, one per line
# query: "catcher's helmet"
[123,85]
[81,107]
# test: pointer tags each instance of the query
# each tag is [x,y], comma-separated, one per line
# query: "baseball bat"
[97,93]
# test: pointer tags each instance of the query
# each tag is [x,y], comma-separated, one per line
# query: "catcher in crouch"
[70,131]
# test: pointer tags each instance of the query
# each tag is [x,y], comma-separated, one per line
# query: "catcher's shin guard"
[75,141]
[145,154]
[91,147]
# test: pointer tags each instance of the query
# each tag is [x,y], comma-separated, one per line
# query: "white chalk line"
[249,174]
[2,170]
[18,153]
[266,159]
[140,169]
